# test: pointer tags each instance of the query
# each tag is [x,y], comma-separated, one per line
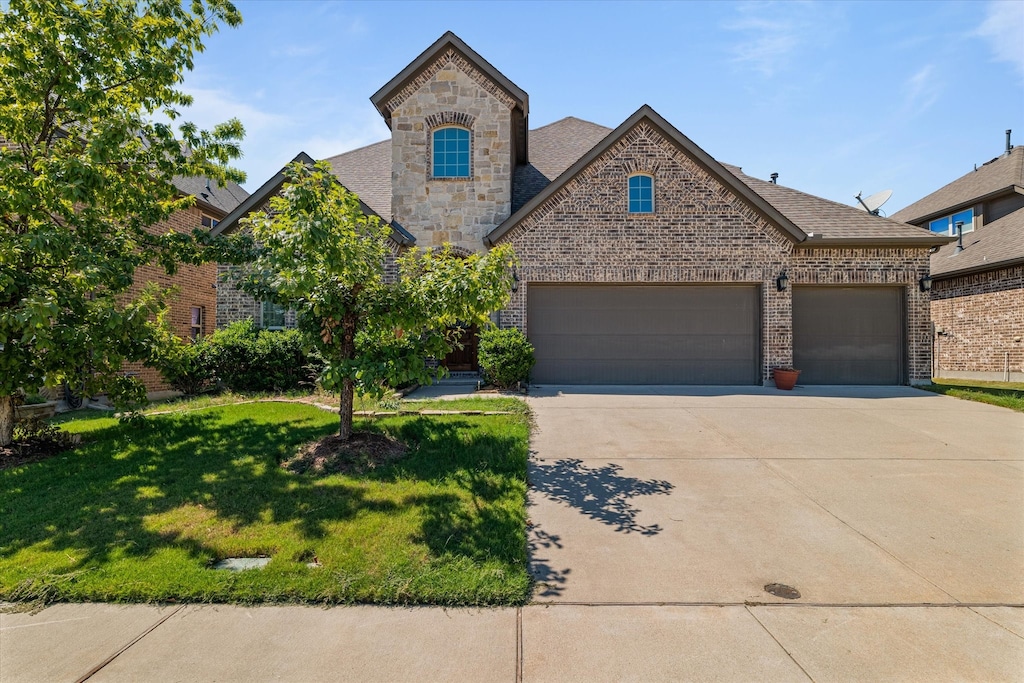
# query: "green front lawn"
[1005,394]
[140,512]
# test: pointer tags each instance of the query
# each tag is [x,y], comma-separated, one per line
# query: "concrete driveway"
[897,514]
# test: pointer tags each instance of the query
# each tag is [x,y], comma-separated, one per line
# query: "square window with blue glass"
[641,194]
[451,153]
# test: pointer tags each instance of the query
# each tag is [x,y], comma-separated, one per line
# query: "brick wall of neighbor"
[457,211]
[981,318]
[195,285]
[699,233]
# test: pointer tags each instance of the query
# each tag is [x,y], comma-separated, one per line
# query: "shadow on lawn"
[93,502]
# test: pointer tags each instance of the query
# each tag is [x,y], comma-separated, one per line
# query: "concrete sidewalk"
[535,643]
[658,515]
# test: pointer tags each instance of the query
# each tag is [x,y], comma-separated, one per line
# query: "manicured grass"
[140,512]
[1005,394]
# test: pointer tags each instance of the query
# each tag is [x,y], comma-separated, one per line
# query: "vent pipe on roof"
[775,178]
[1008,145]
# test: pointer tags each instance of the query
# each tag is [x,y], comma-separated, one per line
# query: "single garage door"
[849,335]
[644,334]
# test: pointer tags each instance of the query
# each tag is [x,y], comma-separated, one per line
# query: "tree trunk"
[6,420]
[348,352]
[347,396]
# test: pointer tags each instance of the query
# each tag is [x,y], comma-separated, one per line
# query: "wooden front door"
[464,359]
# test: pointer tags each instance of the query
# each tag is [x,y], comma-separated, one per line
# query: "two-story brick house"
[977,295]
[643,259]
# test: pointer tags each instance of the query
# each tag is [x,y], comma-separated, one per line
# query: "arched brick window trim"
[450,118]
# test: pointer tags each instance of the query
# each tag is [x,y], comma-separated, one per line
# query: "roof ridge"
[357,149]
[567,118]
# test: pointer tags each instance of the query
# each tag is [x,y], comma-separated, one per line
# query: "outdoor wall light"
[782,281]
[515,281]
[925,283]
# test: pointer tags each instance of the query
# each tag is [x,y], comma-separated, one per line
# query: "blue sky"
[835,97]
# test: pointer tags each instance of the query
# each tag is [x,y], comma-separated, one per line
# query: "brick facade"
[979,325]
[700,232]
[194,287]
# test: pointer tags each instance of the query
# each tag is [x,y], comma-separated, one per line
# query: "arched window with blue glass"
[451,152]
[641,193]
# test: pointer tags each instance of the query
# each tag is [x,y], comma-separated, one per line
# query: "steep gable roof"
[1003,174]
[208,194]
[274,185]
[648,115]
[367,172]
[384,99]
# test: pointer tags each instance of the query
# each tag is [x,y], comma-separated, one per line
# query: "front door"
[464,359]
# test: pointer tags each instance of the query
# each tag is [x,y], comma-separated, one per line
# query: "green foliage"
[246,358]
[144,511]
[1005,394]
[85,169]
[34,398]
[186,365]
[317,253]
[506,357]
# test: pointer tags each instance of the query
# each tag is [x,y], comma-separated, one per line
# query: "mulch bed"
[33,450]
[330,455]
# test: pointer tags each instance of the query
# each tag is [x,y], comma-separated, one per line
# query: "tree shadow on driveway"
[599,493]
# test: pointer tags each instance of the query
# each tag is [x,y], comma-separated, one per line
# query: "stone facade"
[439,210]
[979,325]
[700,232]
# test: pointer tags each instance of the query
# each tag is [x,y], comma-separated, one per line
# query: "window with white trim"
[196,319]
[208,221]
[272,316]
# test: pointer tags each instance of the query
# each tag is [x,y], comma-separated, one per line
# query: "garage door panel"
[626,334]
[849,335]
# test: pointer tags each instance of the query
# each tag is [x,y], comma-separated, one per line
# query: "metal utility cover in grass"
[240,564]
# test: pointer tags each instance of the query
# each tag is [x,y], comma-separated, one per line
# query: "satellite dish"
[874,202]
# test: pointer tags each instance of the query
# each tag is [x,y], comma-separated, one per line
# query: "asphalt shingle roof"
[987,247]
[557,146]
[367,172]
[827,219]
[221,197]
[1000,173]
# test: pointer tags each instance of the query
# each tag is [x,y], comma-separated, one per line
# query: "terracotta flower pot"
[785,378]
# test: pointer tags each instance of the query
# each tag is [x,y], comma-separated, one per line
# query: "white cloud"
[212,106]
[342,137]
[921,91]
[1003,28]
[775,32]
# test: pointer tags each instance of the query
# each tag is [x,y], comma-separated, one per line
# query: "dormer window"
[947,225]
[451,152]
[641,194]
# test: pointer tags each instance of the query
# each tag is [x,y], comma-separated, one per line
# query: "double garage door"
[709,334]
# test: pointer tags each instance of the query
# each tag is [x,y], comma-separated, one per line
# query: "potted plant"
[785,378]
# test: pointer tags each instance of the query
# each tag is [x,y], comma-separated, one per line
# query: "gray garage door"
[849,335]
[623,334]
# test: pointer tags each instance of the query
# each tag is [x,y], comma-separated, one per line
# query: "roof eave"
[981,268]
[705,160]
[449,39]
[1009,189]
[817,242]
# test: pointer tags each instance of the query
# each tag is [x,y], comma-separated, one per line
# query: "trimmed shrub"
[506,357]
[246,358]
[186,366]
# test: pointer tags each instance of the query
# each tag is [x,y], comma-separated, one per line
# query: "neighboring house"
[192,310]
[977,295]
[643,259]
